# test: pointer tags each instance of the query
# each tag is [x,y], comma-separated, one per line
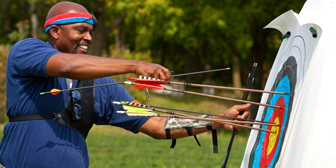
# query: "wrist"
[138,65]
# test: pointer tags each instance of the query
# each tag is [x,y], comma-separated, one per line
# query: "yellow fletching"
[54,91]
[136,111]
[144,114]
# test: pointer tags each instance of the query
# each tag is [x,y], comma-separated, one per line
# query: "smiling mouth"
[85,47]
[80,48]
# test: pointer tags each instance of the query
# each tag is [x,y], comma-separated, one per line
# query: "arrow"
[200,72]
[187,111]
[157,82]
[126,105]
[229,122]
[57,91]
[159,87]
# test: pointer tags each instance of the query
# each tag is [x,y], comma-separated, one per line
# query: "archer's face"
[75,38]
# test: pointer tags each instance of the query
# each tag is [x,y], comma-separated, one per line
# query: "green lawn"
[113,147]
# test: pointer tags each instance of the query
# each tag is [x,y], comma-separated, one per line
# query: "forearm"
[157,127]
[181,133]
[80,66]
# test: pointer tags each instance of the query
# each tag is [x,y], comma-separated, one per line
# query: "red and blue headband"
[68,18]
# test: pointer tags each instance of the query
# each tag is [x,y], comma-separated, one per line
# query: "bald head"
[69,27]
[65,7]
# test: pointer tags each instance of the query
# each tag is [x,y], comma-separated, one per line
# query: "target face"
[288,74]
[267,147]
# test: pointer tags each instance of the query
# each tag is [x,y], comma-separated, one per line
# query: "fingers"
[244,115]
[243,107]
[228,127]
[235,111]
[163,73]
[166,74]
[153,70]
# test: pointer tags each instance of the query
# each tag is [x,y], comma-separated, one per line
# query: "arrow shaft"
[154,82]
[200,72]
[200,113]
[85,87]
[220,97]
[224,87]
[108,84]
[234,119]
[214,120]
[228,122]
[202,94]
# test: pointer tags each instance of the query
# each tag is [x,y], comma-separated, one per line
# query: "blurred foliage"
[184,36]
[4,50]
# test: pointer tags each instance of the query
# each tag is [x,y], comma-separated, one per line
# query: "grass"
[114,147]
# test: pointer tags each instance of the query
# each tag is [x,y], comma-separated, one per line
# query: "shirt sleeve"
[105,110]
[31,56]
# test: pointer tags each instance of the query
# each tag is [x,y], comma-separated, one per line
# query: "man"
[50,130]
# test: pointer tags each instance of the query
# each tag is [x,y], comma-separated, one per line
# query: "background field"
[110,147]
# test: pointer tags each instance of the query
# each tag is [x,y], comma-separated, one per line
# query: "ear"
[54,31]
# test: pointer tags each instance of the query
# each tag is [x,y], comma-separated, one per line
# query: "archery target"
[288,74]
[267,147]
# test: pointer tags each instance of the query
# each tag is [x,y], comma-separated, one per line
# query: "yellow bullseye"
[273,136]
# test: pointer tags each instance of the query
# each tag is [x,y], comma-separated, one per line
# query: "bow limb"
[249,82]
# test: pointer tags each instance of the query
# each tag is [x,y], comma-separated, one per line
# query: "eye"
[81,30]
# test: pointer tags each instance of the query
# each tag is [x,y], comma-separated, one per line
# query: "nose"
[88,36]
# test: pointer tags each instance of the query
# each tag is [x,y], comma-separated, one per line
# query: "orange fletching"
[135,102]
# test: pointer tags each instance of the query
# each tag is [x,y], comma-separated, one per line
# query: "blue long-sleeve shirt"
[45,143]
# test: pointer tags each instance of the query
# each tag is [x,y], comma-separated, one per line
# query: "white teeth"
[84,47]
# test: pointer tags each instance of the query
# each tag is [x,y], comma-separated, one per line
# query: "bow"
[249,82]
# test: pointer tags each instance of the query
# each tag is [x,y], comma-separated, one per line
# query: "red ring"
[266,155]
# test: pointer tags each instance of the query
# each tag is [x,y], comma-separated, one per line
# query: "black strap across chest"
[66,116]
